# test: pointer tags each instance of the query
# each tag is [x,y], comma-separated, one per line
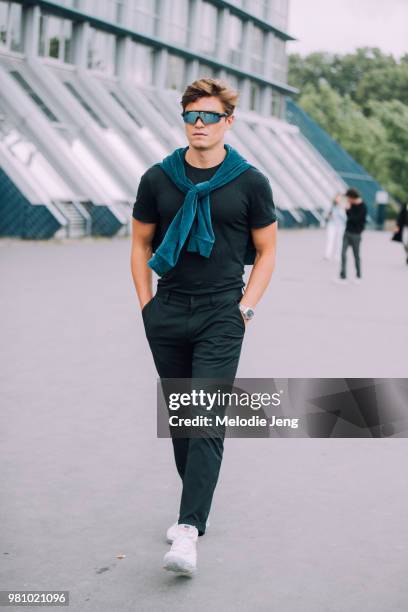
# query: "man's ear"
[230,121]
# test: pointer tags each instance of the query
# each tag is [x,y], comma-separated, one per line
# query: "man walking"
[204,212]
[356,212]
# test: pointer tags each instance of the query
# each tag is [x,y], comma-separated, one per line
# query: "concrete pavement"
[302,525]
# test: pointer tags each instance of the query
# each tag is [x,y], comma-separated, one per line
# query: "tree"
[361,100]
[383,84]
[342,72]
[342,118]
[393,116]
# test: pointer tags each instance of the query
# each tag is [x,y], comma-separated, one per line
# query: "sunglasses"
[205,116]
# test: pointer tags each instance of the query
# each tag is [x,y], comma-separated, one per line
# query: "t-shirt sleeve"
[145,206]
[262,207]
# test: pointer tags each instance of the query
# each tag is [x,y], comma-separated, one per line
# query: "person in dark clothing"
[205,212]
[356,212]
[402,228]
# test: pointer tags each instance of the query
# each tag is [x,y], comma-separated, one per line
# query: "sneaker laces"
[182,544]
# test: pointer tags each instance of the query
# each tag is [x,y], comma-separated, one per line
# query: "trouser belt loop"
[167,296]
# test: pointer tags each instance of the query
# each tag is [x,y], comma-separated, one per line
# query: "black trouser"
[196,337]
[353,240]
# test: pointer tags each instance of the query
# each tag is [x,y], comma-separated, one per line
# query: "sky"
[340,26]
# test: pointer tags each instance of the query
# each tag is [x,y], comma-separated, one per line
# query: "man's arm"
[141,251]
[264,239]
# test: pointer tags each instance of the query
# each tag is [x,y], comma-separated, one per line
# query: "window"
[204,70]
[254,97]
[142,59]
[208,28]
[178,25]
[10,26]
[109,10]
[150,96]
[125,108]
[144,16]
[34,96]
[276,104]
[259,8]
[25,152]
[71,3]
[257,50]
[84,104]
[235,31]
[233,81]
[278,60]
[175,72]
[55,38]
[101,51]
[279,13]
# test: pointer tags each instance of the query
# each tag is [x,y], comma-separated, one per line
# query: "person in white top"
[336,222]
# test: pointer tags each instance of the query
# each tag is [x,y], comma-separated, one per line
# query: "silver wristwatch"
[247,312]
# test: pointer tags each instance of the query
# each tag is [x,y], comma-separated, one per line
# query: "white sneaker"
[182,556]
[173,530]
[357,280]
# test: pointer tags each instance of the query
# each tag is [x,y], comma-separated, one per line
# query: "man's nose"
[201,122]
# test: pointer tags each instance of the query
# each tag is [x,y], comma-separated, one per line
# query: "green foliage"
[361,100]
[393,116]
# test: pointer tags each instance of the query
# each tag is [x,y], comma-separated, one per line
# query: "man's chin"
[200,146]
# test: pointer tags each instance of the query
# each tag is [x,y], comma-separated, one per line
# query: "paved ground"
[297,525]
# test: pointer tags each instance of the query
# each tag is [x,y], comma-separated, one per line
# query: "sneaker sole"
[172,564]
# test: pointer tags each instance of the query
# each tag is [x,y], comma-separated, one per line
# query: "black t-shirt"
[244,203]
[356,218]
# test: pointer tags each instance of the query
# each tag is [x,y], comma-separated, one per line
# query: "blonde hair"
[208,86]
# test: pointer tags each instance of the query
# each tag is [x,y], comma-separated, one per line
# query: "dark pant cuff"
[200,526]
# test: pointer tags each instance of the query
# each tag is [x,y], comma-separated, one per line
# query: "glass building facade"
[248,36]
[103,99]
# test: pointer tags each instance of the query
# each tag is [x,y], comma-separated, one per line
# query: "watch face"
[249,313]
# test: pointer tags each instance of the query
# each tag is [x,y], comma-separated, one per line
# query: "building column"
[266,101]
[81,34]
[160,69]
[31,30]
[268,12]
[269,58]
[245,94]
[192,69]
[164,19]
[124,45]
[246,45]
[124,57]
[222,36]
[194,24]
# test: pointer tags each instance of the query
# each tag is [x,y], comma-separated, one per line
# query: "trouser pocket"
[146,307]
[235,305]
